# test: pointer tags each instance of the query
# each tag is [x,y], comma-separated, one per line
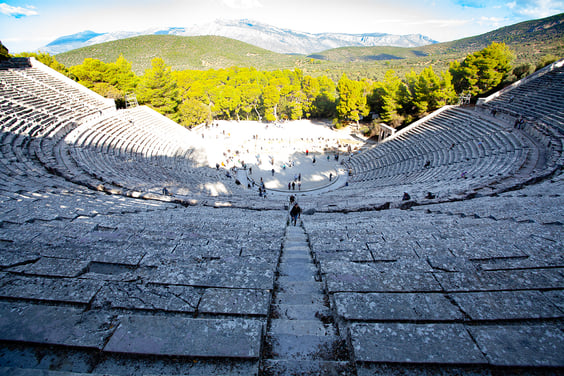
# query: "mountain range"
[258,34]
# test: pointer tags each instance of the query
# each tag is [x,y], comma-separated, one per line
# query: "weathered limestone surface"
[173,336]
[414,343]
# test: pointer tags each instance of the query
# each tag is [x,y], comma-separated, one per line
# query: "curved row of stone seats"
[45,90]
[453,148]
[140,150]
[537,98]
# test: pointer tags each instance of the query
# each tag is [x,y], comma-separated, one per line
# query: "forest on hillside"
[193,97]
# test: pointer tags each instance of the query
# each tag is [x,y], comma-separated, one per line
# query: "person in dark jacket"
[295,213]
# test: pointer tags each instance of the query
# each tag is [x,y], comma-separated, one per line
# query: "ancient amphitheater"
[101,272]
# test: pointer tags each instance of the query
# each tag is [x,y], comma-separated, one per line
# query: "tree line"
[193,97]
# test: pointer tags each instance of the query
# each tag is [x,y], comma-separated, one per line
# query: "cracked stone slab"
[541,260]
[178,336]
[395,306]
[17,256]
[500,305]
[65,326]
[137,296]
[48,289]
[521,345]
[235,301]
[414,343]
[53,267]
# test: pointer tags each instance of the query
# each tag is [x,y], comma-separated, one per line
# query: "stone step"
[302,347]
[306,367]
[297,269]
[296,278]
[295,245]
[293,298]
[300,328]
[301,311]
[295,259]
[302,288]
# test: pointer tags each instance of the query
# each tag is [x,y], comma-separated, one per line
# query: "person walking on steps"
[295,213]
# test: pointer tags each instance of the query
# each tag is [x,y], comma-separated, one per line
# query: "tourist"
[295,213]
[406,196]
[330,176]
[294,185]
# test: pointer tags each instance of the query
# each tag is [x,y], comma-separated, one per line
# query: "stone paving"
[441,285]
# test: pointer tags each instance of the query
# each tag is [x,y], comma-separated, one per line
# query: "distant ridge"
[258,34]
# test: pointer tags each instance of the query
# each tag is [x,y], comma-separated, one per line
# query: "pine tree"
[158,89]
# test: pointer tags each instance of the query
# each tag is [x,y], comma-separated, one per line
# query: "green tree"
[483,70]
[250,99]
[388,97]
[325,104]
[4,55]
[270,99]
[193,112]
[157,89]
[351,104]
[310,88]
[430,91]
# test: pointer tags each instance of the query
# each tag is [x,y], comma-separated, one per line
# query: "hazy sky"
[30,24]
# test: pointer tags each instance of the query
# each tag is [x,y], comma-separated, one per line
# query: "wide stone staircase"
[302,337]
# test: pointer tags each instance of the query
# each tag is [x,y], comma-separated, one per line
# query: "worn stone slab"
[556,297]
[385,251]
[529,279]
[414,343]
[521,345]
[117,364]
[395,306]
[48,289]
[136,296]
[53,267]
[500,305]
[539,260]
[179,336]
[66,326]
[369,280]
[237,273]
[9,371]
[14,256]
[235,301]
[446,263]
